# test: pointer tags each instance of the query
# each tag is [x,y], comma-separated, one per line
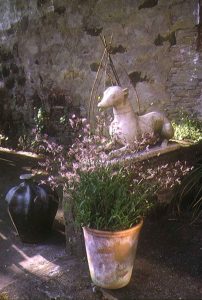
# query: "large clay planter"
[111,255]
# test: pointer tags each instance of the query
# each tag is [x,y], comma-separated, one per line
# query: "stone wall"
[50,51]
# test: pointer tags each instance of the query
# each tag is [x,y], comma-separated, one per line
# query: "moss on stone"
[148,4]
[136,77]
[72,74]
[4,296]
[108,11]
[10,83]
[60,10]
[169,37]
[94,66]
[14,68]
[21,80]
[5,54]
[20,5]
[93,31]
[5,71]
[117,49]
[3,93]
[40,3]
[181,24]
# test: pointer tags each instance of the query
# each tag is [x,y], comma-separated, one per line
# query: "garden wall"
[50,51]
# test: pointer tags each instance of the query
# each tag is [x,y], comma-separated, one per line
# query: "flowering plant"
[101,191]
[90,150]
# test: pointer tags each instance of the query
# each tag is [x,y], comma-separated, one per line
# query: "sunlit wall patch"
[198,13]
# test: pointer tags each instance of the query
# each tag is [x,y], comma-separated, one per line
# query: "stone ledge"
[158,151]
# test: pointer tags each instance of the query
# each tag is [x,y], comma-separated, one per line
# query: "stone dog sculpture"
[127,127]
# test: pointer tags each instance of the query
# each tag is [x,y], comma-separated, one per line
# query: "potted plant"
[110,206]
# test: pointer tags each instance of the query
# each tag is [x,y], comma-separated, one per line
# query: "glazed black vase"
[32,208]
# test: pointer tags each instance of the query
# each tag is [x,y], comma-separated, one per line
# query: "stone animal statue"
[127,127]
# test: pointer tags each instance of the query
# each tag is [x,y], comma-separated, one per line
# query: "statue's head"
[113,96]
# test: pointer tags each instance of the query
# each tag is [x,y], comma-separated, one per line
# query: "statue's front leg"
[118,152]
[109,146]
[164,143]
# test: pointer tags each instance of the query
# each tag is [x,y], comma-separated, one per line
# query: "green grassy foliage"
[189,195]
[108,200]
[187,127]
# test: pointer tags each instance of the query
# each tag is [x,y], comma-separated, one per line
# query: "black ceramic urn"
[32,208]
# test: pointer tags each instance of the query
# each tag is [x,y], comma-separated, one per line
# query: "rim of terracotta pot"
[119,233]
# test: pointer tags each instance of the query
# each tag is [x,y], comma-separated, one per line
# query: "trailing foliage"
[110,200]
[189,194]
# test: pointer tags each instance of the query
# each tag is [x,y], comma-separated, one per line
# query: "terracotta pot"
[111,255]
[32,208]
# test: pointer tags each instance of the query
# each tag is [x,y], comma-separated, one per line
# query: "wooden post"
[74,235]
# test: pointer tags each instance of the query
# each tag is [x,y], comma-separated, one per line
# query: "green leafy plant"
[187,127]
[189,194]
[4,296]
[3,138]
[110,200]
[40,119]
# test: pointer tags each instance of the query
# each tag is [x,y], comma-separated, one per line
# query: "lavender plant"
[90,151]
[103,194]
[109,199]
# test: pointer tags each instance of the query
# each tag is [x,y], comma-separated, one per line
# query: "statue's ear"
[125,91]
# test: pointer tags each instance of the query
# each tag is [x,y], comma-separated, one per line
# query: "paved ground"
[168,264]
